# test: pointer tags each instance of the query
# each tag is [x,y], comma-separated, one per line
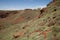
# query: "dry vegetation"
[28,24]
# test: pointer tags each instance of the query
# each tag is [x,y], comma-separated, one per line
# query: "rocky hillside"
[15,17]
[28,24]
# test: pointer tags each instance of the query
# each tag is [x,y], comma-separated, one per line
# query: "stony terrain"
[31,24]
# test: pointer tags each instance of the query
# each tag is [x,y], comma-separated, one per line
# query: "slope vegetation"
[34,24]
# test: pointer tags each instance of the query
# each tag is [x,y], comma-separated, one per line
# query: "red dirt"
[44,33]
[38,16]
[34,31]
[19,19]
[18,34]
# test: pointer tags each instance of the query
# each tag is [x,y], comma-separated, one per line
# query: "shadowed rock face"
[4,15]
[55,0]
